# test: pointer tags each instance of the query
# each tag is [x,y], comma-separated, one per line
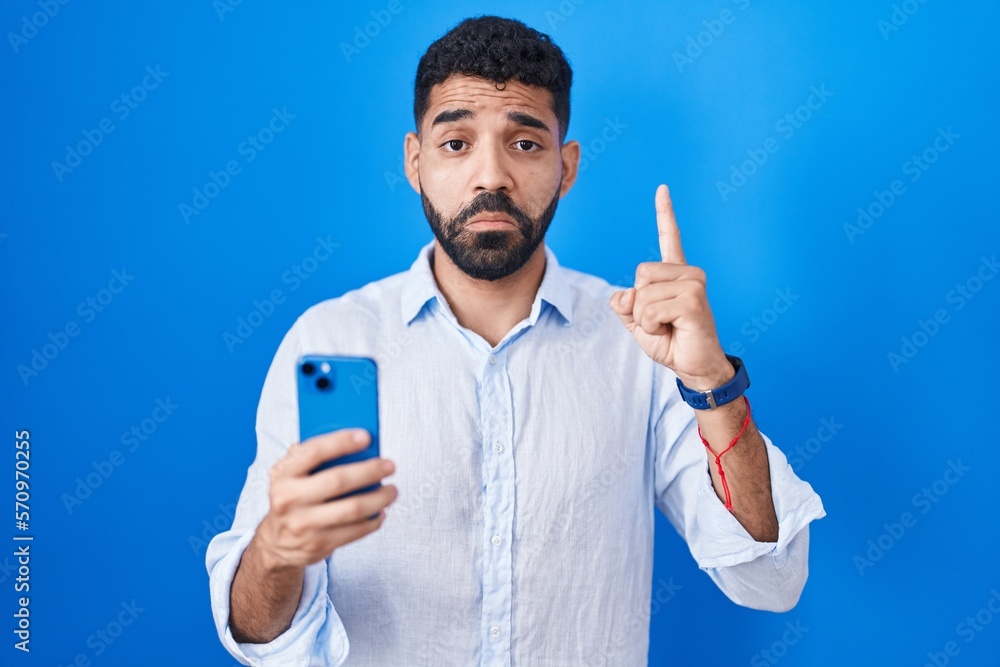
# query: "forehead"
[460,91]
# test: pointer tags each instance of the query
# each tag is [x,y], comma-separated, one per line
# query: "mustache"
[493,202]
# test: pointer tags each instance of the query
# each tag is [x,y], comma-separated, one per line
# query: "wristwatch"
[713,398]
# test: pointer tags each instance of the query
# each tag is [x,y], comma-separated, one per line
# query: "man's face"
[490,171]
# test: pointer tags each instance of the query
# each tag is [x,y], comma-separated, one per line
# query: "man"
[530,433]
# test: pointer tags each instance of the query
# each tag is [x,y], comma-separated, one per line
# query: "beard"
[489,254]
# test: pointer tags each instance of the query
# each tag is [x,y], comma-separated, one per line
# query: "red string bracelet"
[718,457]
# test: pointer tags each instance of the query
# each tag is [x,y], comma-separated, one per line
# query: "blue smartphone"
[338,392]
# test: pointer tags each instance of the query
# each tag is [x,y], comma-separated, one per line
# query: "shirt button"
[493,359]
[494,631]
[497,540]
[498,448]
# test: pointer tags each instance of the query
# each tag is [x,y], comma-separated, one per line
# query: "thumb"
[622,302]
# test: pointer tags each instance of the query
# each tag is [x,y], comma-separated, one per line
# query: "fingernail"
[360,437]
[387,466]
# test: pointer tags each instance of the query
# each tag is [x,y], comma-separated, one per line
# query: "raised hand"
[667,310]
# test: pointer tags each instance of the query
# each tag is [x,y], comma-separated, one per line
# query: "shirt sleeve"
[316,636]
[760,575]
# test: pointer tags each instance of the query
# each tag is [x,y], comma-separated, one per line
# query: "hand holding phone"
[303,525]
[324,493]
[327,490]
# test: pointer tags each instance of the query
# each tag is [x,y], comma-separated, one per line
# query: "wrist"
[720,373]
[265,560]
[717,395]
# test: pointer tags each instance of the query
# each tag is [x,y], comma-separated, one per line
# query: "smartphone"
[336,392]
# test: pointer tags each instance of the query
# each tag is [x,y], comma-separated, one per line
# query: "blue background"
[335,170]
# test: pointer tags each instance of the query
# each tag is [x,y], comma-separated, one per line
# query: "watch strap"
[714,398]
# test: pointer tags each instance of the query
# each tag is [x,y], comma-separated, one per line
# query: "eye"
[454,145]
[525,145]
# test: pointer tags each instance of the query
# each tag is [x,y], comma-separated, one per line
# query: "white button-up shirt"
[528,473]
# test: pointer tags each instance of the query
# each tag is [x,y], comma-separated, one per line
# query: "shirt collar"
[420,287]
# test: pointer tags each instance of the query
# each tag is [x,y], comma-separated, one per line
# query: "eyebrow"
[518,117]
[452,116]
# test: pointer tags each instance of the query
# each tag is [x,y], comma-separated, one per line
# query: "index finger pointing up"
[666,224]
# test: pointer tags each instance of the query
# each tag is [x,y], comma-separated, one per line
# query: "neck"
[490,308]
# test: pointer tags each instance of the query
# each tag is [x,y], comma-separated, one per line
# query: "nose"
[492,169]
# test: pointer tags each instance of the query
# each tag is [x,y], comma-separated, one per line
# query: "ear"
[570,163]
[411,159]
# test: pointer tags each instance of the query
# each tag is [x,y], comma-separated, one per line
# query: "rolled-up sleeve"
[760,575]
[316,636]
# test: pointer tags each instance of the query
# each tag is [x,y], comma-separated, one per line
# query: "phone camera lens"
[308,368]
[323,383]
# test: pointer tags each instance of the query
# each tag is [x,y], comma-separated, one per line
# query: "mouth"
[491,221]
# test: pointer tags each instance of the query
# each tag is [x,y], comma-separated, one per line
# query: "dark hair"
[498,50]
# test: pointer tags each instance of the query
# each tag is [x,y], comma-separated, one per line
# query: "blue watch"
[713,398]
